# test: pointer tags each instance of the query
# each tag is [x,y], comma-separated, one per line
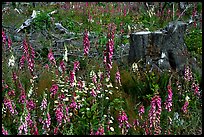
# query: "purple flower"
[59,114]
[67,114]
[55,130]
[184,108]
[51,57]
[43,104]
[61,96]
[72,78]
[8,105]
[100,131]
[22,97]
[3,37]
[29,121]
[32,52]
[141,110]
[54,90]
[11,93]
[76,66]
[117,77]
[46,67]
[168,103]
[73,104]
[86,43]
[46,123]
[80,84]
[35,130]
[154,114]
[196,88]
[14,76]
[4,132]
[25,49]
[123,122]
[31,65]
[30,105]
[188,74]
[62,66]
[93,93]
[9,43]
[22,127]
[136,123]
[22,61]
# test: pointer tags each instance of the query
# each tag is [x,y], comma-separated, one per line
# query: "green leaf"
[88,113]
[93,108]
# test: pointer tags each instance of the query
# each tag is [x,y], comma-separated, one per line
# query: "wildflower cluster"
[108,53]
[29,55]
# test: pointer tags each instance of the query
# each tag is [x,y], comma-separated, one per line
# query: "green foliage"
[194,41]
[42,21]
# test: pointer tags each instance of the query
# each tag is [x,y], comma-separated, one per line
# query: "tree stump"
[164,48]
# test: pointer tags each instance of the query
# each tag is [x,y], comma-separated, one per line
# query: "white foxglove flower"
[11,61]
[30,92]
[134,67]
[111,129]
[187,98]
[110,121]
[65,54]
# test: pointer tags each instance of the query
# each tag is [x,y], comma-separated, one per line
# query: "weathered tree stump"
[165,48]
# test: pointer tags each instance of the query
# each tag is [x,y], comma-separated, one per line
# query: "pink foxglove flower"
[62,66]
[117,77]
[51,57]
[22,97]
[30,105]
[29,121]
[100,131]
[73,104]
[72,78]
[141,110]
[22,61]
[3,37]
[46,123]
[9,43]
[168,103]
[59,114]
[123,122]
[43,104]
[53,90]
[9,106]
[188,74]
[185,106]
[11,93]
[93,93]
[86,43]
[56,130]
[4,132]
[196,89]
[76,66]
[154,114]
[25,49]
